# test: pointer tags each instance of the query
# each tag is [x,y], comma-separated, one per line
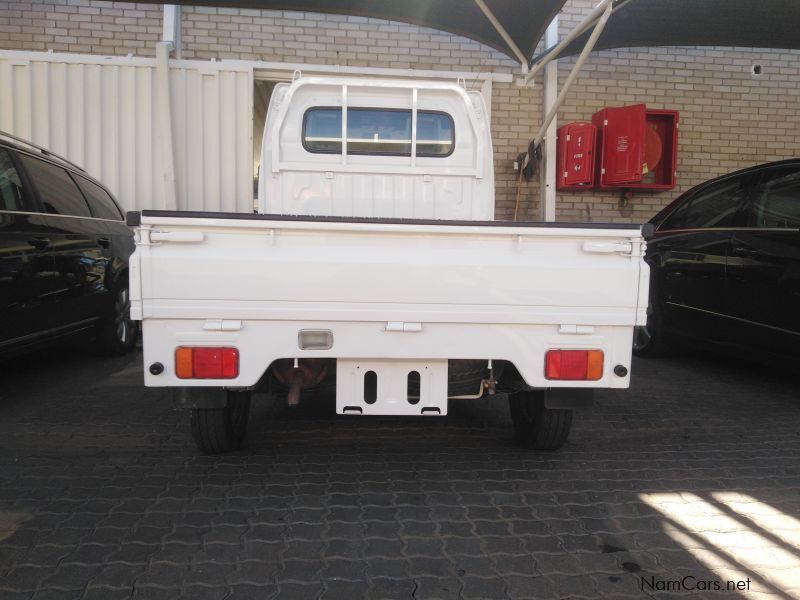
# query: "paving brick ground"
[694,472]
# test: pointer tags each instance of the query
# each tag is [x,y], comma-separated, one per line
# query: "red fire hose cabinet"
[575,162]
[637,148]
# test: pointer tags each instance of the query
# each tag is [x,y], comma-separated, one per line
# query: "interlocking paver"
[694,471]
[300,591]
[484,588]
[395,568]
[51,594]
[444,588]
[154,593]
[103,593]
[382,588]
[253,592]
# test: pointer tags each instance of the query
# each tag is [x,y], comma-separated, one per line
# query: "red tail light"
[206,363]
[575,365]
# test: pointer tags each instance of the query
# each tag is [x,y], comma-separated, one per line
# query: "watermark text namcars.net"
[691,584]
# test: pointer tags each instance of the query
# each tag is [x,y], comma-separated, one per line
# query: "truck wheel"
[218,430]
[118,333]
[535,425]
[648,340]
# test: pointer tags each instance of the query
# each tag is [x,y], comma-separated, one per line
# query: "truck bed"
[386,288]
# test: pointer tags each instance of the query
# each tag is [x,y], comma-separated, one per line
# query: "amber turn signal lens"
[183,363]
[594,365]
[574,365]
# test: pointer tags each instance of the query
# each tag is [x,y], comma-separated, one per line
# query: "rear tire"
[536,426]
[218,430]
[118,332]
[649,340]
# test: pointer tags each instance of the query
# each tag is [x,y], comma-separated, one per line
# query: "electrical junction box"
[637,148]
[575,161]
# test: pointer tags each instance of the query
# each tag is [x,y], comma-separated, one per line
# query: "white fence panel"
[101,113]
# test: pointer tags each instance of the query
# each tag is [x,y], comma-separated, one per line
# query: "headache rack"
[44,151]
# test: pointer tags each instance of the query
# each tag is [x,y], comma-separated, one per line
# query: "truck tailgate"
[307,271]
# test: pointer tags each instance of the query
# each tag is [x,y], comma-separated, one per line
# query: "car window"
[775,202]
[714,206]
[101,204]
[57,190]
[11,194]
[378,131]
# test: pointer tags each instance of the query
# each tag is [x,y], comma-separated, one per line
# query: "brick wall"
[80,26]
[729,119]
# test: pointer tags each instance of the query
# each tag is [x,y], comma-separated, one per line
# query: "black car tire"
[649,341]
[536,426]
[118,332]
[218,430]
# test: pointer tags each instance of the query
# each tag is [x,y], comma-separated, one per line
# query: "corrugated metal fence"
[101,113]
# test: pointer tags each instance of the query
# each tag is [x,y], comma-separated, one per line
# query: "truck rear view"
[375,271]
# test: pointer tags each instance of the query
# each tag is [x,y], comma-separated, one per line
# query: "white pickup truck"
[374,265]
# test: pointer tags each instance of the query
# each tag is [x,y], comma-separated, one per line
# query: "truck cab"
[377,148]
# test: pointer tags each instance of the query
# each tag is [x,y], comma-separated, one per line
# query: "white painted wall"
[101,113]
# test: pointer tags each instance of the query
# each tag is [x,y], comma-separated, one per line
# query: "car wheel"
[648,340]
[119,332]
[218,430]
[535,425]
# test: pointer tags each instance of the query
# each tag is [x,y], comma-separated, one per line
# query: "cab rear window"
[378,132]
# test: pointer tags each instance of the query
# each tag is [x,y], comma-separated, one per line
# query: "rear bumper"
[261,342]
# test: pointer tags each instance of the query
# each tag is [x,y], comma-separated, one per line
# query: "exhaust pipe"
[298,379]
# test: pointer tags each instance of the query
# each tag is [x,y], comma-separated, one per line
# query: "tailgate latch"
[154,237]
[222,325]
[403,327]
[608,247]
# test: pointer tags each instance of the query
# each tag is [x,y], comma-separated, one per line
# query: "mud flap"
[569,398]
[185,398]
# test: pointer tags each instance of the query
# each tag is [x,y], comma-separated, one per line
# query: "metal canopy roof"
[514,27]
[741,23]
[524,20]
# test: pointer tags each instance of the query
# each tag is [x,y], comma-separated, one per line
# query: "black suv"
[64,250]
[725,267]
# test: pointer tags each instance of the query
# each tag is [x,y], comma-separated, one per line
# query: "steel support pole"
[547,204]
[170,42]
[551,115]
[164,112]
[171,31]
[523,60]
[557,47]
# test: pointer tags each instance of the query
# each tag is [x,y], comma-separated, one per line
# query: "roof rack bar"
[45,151]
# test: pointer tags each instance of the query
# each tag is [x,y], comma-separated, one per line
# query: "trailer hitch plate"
[391,387]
